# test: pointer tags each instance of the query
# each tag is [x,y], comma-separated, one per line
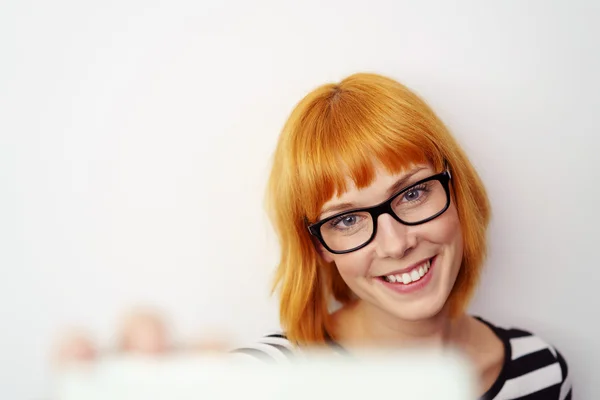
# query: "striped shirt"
[532,370]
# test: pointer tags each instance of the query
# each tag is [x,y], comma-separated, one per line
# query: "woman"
[377,207]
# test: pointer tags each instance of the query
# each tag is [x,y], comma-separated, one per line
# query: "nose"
[393,239]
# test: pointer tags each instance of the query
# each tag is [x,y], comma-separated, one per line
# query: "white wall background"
[135,139]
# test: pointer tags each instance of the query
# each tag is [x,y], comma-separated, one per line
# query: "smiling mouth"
[408,277]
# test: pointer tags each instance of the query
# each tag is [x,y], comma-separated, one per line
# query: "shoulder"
[532,365]
[272,347]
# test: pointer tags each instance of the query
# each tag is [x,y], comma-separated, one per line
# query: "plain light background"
[135,141]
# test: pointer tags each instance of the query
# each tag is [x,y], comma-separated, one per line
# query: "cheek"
[352,265]
[448,232]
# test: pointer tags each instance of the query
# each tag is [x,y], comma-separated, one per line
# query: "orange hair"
[338,131]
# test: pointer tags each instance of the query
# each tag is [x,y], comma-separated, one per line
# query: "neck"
[363,325]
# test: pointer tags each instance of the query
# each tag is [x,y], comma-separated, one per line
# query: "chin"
[418,311]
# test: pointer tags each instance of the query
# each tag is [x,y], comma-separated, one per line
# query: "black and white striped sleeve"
[535,371]
[270,348]
[566,387]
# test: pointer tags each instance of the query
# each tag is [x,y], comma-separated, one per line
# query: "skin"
[75,346]
[384,317]
[142,332]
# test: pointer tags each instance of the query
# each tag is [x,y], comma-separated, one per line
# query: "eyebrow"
[403,182]
[396,187]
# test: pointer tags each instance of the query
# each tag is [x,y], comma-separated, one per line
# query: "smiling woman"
[376,206]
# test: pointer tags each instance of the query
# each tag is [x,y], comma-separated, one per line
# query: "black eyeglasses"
[354,229]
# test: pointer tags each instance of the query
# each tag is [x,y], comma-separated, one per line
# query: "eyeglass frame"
[384,207]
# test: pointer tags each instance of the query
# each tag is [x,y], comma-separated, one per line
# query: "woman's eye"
[412,195]
[348,220]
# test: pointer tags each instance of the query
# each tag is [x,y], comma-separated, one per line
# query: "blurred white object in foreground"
[406,375]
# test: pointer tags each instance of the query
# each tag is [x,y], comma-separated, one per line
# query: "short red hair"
[337,131]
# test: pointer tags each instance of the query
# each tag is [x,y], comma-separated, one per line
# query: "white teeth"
[414,275]
[406,279]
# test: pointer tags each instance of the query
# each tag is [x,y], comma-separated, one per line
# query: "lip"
[413,286]
[407,269]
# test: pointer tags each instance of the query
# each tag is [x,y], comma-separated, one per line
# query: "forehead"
[378,189]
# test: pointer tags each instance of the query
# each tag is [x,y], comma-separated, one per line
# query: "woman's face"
[406,271]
